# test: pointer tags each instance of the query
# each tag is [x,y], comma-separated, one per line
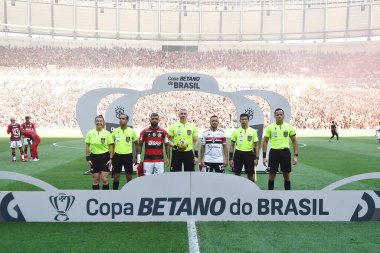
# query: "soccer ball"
[182,144]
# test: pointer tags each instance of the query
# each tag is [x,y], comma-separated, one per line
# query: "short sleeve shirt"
[99,141]
[279,135]
[244,138]
[124,138]
[186,131]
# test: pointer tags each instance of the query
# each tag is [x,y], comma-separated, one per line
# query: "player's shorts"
[246,159]
[28,141]
[153,168]
[217,167]
[14,144]
[334,132]
[187,158]
[120,160]
[99,162]
[280,157]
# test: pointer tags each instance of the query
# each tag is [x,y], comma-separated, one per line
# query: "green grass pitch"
[320,164]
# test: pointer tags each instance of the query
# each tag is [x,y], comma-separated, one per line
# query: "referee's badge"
[275,134]
[188,132]
[286,133]
[179,132]
[249,137]
[127,139]
[103,140]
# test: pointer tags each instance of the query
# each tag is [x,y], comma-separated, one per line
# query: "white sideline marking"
[55,144]
[193,237]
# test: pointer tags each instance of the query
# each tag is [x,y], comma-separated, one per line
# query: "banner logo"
[372,213]
[119,111]
[62,204]
[5,204]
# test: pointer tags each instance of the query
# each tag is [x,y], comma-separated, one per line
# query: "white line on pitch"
[55,144]
[193,237]
[301,145]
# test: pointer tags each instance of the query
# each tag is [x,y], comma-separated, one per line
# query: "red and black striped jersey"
[154,141]
[15,130]
[28,126]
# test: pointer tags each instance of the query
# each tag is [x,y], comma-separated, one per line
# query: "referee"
[99,147]
[247,148]
[188,131]
[279,134]
[123,137]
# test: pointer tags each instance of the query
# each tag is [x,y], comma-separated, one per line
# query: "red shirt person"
[35,142]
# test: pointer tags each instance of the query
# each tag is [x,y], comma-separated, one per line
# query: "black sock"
[95,187]
[287,185]
[115,185]
[270,184]
[106,187]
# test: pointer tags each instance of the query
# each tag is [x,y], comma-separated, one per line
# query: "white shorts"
[26,141]
[153,168]
[14,144]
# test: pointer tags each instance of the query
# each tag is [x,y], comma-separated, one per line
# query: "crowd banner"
[188,196]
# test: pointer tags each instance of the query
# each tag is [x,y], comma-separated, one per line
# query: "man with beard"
[154,138]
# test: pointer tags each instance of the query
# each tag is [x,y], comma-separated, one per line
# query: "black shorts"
[99,162]
[120,160]
[246,158]
[217,167]
[186,158]
[280,157]
[334,132]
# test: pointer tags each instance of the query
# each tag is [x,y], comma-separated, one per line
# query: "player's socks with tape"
[270,184]
[106,187]
[95,187]
[287,185]
[115,185]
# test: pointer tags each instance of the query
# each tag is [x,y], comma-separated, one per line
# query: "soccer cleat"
[36,160]
[13,161]
[23,160]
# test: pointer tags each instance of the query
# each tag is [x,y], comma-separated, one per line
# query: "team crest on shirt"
[127,139]
[249,137]
[154,134]
[159,135]
[188,132]
[103,140]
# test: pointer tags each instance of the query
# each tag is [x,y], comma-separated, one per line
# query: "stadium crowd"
[47,82]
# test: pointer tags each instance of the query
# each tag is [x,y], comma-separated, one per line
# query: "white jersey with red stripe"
[213,142]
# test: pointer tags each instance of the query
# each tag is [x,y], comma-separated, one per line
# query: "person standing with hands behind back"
[279,134]
[99,150]
[247,148]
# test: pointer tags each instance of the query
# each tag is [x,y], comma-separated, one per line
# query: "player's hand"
[109,163]
[134,161]
[167,162]
[232,164]
[295,160]
[225,163]
[89,163]
[256,162]
[265,162]
[202,163]
[195,160]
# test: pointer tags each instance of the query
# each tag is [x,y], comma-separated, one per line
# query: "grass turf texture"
[321,163]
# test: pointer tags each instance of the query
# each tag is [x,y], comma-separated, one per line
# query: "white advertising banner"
[188,196]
